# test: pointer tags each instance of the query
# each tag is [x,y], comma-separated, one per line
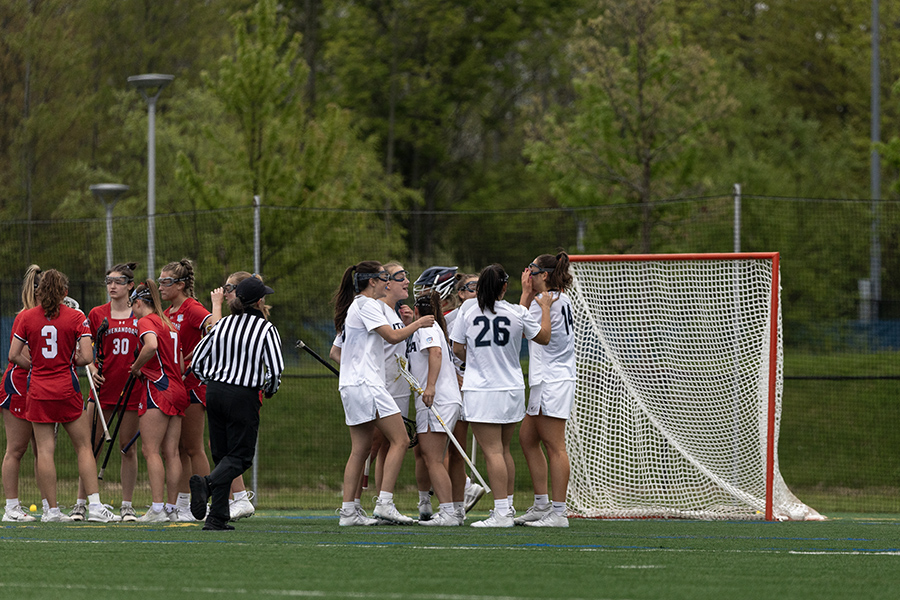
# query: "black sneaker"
[213,524]
[199,497]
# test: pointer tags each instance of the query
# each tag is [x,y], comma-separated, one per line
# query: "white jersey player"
[367,403]
[487,336]
[551,378]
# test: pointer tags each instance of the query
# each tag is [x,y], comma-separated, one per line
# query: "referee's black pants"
[233,414]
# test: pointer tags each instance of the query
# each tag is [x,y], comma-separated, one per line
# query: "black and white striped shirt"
[244,350]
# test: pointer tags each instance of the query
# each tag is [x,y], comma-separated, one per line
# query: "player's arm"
[434,368]
[545,301]
[395,336]
[460,351]
[151,343]
[84,354]
[17,354]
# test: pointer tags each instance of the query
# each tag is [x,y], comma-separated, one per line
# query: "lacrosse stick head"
[441,279]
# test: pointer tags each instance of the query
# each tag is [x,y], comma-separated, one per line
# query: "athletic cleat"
[425,510]
[241,509]
[79,512]
[56,517]
[473,494]
[495,520]
[102,513]
[128,515]
[388,512]
[534,513]
[442,519]
[352,518]
[17,514]
[512,512]
[199,496]
[213,524]
[154,516]
[181,515]
[551,519]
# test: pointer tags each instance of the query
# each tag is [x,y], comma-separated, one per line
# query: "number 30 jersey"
[493,341]
[117,349]
[52,343]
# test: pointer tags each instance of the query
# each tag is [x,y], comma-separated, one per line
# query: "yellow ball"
[33,508]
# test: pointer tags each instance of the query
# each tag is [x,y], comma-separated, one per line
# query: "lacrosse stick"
[123,404]
[408,423]
[98,413]
[131,443]
[417,388]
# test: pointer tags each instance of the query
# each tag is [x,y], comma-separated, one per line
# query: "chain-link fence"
[838,448]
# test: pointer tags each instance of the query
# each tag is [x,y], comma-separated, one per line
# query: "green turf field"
[308,555]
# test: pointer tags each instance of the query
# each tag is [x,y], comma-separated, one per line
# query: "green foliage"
[645,103]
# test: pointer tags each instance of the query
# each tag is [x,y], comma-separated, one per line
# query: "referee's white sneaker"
[495,520]
[550,520]
[388,512]
[473,494]
[534,513]
[17,514]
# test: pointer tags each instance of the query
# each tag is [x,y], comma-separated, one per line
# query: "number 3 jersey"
[117,347]
[493,341]
[52,343]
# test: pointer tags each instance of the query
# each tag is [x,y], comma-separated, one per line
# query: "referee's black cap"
[251,290]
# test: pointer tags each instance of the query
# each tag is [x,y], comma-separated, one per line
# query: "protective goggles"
[118,280]
[169,281]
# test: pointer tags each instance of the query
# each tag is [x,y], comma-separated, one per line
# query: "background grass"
[839,443]
[308,555]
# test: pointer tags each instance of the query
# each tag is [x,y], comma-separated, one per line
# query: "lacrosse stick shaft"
[121,405]
[131,443]
[315,355]
[365,481]
[98,410]
[459,448]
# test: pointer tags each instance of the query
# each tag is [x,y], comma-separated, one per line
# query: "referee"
[237,359]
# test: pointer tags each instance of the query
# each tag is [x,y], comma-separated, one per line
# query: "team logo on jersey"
[134,322]
[180,318]
[429,339]
[86,323]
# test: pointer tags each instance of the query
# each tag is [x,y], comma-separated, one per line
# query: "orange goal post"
[680,379]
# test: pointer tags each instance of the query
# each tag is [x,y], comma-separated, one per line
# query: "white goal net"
[678,401]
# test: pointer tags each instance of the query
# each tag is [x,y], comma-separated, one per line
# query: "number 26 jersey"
[493,342]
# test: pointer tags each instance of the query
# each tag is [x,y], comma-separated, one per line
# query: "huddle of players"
[466,364]
[133,336]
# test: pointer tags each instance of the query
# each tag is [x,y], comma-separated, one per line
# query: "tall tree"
[645,103]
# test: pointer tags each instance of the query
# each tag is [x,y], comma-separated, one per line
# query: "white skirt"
[503,406]
[363,402]
[552,399]
[426,421]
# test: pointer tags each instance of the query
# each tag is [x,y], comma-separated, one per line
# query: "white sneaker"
[241,509]
[425,510]
[353,517]
[534,513]
[58,517]
[79,512]
[181,515]
[102,513]
[550,520]
[154,516]
[473,494]
[128,515]
[495,520]
[17,514]
[442,519]
[388,512]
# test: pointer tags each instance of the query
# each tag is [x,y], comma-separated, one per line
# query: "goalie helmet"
[441,279]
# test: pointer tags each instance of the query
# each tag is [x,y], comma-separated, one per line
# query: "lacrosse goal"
[678,401]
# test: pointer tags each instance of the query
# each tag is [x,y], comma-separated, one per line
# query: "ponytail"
[557,268]
[50,292]
[29,287]
[490,286]
[353,281]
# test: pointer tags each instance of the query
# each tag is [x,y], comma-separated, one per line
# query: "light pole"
[109,194]
[150,86]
